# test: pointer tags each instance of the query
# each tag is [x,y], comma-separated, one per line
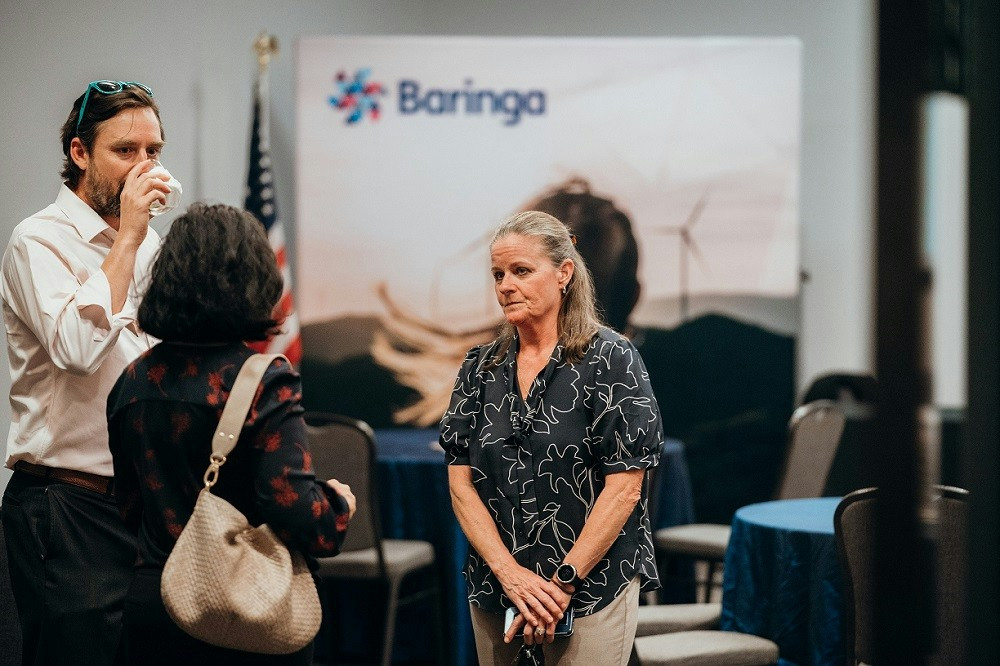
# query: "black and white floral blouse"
[539,465]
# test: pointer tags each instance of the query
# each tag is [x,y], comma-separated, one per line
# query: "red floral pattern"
[273,443]
[170,518]
[156,374]
[342,522]
[215,384]
[284,494]
[320,507]
[179,424]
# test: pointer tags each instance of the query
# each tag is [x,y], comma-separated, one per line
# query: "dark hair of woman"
[215,279]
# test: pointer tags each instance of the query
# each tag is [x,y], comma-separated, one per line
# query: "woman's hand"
[541,602]
[532,635]
[344,491]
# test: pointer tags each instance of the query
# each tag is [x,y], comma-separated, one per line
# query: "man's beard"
[105,198]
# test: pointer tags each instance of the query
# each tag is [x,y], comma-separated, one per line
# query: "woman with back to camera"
[214,284]
[549,434]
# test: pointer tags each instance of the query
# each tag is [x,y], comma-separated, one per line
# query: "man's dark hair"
[606,243]
[100,107]
[215,279]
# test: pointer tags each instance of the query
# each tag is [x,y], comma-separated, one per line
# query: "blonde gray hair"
[578,320]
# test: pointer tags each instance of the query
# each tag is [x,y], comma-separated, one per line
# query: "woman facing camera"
[549,434]
[214,284]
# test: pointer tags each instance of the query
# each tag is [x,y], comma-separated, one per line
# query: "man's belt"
[94,482]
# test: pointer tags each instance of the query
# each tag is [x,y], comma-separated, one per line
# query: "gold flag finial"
[266,46]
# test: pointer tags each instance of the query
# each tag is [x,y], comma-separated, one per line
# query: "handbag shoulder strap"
[235,412]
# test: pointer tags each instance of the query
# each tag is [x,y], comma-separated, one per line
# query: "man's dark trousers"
[71,560]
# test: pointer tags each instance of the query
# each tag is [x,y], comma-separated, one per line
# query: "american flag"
[261,201]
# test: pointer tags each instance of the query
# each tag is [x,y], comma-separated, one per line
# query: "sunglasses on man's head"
[106,88]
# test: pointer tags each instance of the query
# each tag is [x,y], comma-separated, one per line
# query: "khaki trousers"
[601,639]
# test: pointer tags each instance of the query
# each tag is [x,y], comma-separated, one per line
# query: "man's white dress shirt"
[66,348]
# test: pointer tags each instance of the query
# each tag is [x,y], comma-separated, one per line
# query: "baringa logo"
[359,96]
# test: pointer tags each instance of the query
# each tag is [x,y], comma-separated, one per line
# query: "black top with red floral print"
[162,414]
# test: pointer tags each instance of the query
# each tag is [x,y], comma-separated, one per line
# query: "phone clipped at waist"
[563,628]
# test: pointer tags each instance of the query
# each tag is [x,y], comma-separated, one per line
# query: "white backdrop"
[664,127]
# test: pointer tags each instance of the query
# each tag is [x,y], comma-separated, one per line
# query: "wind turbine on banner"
[688,246]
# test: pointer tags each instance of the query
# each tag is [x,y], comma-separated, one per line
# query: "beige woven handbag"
[231,584]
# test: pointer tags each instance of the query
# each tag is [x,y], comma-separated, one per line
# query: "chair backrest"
[951,575]
[813,436]
[343,448]
[854,527]
[838,386]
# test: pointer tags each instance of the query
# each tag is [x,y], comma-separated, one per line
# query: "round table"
[782,579]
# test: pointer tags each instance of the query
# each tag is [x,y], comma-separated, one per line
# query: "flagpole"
[261,200]
[266,47]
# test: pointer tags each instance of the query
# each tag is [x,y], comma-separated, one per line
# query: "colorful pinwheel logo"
[357,96]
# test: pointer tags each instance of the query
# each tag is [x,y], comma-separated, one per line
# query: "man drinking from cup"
[68,284]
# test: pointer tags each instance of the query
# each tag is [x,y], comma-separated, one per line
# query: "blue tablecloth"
[782,579]
[671,504]
[415,504]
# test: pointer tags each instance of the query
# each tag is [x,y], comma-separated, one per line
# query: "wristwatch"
[566,574]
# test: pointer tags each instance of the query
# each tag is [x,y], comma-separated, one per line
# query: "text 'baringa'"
[510,104]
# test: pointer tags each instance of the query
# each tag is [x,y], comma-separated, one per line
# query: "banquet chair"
[684,635]
[704,648]
[670,618]
[344,448]
[814,432]
[854,529]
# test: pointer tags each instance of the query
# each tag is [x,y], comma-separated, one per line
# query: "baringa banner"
[676,162]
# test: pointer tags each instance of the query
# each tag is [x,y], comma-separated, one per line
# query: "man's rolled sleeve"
[93,301]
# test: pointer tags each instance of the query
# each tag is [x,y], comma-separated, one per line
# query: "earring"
[565,288]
